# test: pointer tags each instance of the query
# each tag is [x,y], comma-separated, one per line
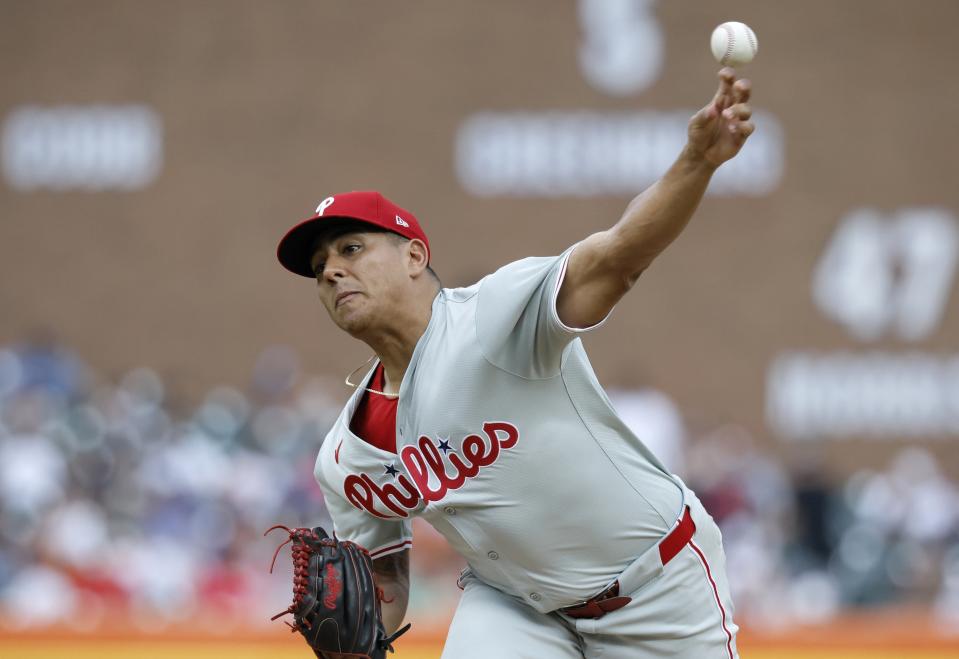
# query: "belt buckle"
[593,608]
[578,605]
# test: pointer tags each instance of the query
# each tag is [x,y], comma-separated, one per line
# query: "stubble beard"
[354,322]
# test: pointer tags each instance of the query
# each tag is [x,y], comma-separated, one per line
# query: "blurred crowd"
[116,501]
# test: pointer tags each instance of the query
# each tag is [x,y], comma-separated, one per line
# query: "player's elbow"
[623,270]
[623,256]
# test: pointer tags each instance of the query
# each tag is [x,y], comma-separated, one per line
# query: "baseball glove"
[336,603]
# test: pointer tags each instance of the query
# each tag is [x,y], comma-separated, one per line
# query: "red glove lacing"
[302,551]
[301,565]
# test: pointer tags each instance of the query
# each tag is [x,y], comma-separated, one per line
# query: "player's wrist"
[695,160]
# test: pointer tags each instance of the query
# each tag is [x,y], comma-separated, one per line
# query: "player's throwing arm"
[606,265]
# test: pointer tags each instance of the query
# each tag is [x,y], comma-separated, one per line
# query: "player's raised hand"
[718,131]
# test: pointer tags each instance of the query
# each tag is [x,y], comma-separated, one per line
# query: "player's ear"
[418,256]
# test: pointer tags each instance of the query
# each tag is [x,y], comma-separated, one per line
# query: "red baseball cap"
[371,207]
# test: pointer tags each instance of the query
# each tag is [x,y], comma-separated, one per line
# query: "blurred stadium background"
[164,384]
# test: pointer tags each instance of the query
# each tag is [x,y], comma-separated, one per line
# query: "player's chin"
[351,321]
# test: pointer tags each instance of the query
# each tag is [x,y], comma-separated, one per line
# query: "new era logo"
[402,222]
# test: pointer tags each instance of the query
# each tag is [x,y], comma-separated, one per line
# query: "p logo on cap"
[326,203]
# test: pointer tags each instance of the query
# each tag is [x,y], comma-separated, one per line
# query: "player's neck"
[394,345]
[395,360]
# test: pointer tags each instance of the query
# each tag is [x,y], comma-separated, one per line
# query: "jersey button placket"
[492,555]
[449,510]
[535,597]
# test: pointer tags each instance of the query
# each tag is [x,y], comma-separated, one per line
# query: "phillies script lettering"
[423,460]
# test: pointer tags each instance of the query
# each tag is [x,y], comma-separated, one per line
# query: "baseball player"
[481,414]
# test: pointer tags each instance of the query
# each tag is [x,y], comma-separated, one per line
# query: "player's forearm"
[656,217]
[394,607]
[393,577]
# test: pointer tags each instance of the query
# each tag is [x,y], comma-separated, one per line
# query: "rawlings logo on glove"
[333,585]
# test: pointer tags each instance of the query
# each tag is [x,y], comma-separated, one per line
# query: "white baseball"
[734,44]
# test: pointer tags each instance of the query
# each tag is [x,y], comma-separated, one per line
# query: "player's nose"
[333,270]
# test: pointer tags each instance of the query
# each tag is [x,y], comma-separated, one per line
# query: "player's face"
[360,277]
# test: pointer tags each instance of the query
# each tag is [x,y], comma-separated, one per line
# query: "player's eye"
[318,270]
[351,248]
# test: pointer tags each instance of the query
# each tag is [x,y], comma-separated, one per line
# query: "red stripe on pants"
[729,636]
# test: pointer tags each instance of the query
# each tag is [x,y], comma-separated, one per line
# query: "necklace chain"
[355,385]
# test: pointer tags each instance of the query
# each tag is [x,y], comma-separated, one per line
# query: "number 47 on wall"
[891,273]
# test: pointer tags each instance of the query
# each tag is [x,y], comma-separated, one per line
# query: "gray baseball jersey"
[508,446]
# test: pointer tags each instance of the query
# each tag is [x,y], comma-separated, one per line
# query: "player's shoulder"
[506,279]
[466,293]
[462,293]
[519,275]
[526,263]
